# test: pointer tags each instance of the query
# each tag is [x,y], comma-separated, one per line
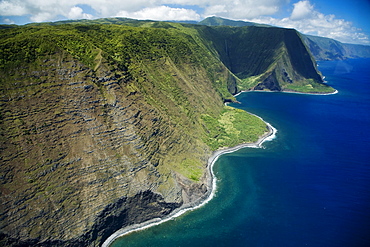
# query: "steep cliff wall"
[84,131]
[266,58]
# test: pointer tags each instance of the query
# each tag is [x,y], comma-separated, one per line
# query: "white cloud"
[307,20]
[41,16]
[240,9]
[302,10]
[215,9]
[8,21]
[162,13]
[40,9]
[10,8]
[77,13]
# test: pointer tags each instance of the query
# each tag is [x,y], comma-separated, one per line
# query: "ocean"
[310,186]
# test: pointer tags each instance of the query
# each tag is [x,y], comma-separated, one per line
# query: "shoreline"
[211,179]
[212,184]
[335,92]
[293,92]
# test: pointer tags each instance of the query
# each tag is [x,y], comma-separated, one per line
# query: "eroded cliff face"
[84,153]
[101,126]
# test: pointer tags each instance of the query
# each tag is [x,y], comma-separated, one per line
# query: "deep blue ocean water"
[308,187]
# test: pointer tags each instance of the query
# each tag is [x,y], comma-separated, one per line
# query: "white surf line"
[319,94]
[176,213]
[292,92]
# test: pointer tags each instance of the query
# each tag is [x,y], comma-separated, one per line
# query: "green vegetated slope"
[232,127]
[103,126]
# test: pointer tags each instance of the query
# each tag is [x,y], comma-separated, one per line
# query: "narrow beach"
[211,179]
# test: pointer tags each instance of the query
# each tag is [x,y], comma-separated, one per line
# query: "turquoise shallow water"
[308,187]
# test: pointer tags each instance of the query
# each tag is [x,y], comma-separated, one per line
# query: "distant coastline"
[211,179]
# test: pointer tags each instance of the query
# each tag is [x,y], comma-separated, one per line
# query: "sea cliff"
[107,126]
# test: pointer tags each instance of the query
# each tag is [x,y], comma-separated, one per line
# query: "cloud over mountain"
[157,13]
[302,10]
[308,20]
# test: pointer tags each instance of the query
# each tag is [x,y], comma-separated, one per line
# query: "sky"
[347,21]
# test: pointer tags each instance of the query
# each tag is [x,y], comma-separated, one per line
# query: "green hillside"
[110,122]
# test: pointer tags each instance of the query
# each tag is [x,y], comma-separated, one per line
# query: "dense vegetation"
[230,128]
